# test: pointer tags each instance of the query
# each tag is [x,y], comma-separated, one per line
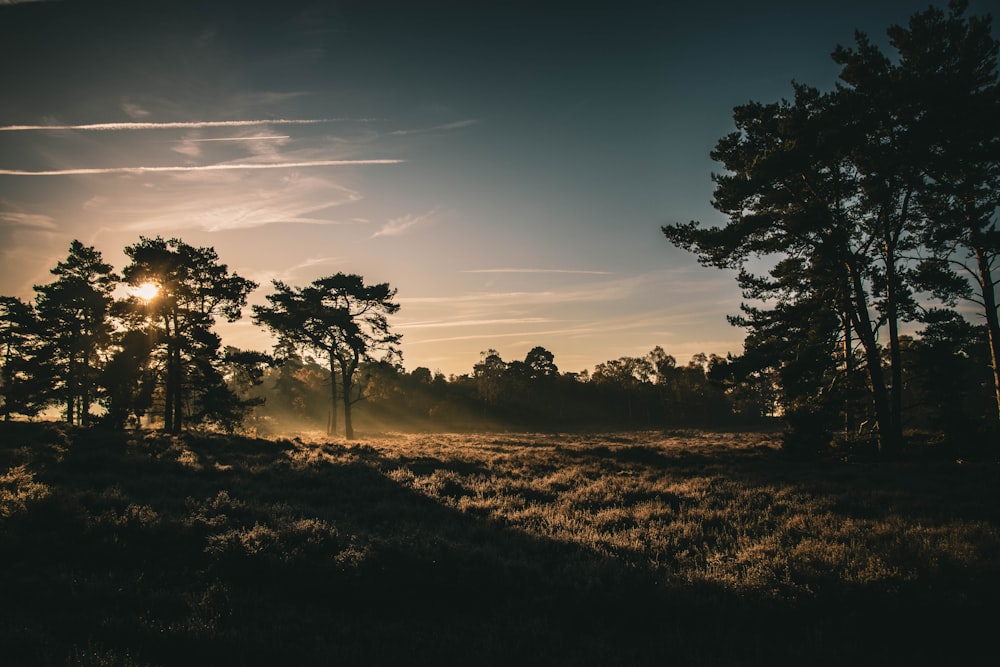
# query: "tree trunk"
[331,423]
[178,391]
[848,373]
[70,377]
[168,385]
[876,377]
[895,354]
[988,285]
[85,390]
[347,382]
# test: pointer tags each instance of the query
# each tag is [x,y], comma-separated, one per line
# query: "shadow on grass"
[142,549]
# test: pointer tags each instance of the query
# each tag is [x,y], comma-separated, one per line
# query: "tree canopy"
[854,195]
[340,317]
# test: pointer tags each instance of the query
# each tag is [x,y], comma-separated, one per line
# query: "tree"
[950,369]
[541,364]
[839,187]
[952,60]
[74,315]
[626,377]
[489,376]
[127,380]
[793,191]
[20,376]
[193,289]
[228,398]
[340,317]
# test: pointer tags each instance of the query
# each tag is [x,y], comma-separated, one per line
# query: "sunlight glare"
[145,291]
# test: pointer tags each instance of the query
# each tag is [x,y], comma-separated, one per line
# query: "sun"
[145,291]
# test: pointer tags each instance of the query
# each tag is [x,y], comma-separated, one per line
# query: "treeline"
[150,356]
[873,205]
[103,357]
[138,348]
[630,392]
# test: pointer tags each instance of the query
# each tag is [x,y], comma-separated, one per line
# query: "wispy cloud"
[135,111]
[252,137]
[439,324]
[584,329]
[180,125]
[457,125]
[291,273]
[87,171]
[575,271]
[31,220]
[397,226]
[259,144]
[225,201]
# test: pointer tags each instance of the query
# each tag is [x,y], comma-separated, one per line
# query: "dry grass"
[637,548]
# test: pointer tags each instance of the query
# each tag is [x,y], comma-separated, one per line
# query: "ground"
[687,548]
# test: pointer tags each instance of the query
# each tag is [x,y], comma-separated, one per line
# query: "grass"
[688,548]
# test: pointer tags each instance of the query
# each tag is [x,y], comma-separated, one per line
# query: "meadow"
[666,548]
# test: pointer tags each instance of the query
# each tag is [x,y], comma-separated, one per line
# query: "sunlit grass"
[639,548]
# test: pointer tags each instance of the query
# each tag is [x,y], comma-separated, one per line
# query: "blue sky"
[506,166]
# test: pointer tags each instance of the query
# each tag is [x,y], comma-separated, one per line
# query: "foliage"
[194,288]
[528,394]
[839,192]
[75,328]
[338,316]
[22,388]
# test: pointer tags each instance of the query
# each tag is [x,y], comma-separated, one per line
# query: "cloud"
[88,171]
[29,220]
[215,202]
[290,274]
[252,137]
[475,322]
[436,128]
[259,144]
[575,271]
[182,125]
[590,328]
[397,226]
[135,111]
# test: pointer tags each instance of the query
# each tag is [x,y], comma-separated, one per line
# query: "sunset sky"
[507,166]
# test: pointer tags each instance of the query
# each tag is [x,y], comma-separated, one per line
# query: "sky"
[506,166]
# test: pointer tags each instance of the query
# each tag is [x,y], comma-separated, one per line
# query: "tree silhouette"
[22,389]
[340,317]
[194,288]
[846,188]
[489,375]
[127,379]
[75,327]
[953,60]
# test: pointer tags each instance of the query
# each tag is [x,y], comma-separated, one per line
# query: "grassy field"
[646,548]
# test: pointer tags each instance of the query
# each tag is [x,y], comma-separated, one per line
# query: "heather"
[652,547]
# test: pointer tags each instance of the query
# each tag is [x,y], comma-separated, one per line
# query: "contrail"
[209,167]
[184,125]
